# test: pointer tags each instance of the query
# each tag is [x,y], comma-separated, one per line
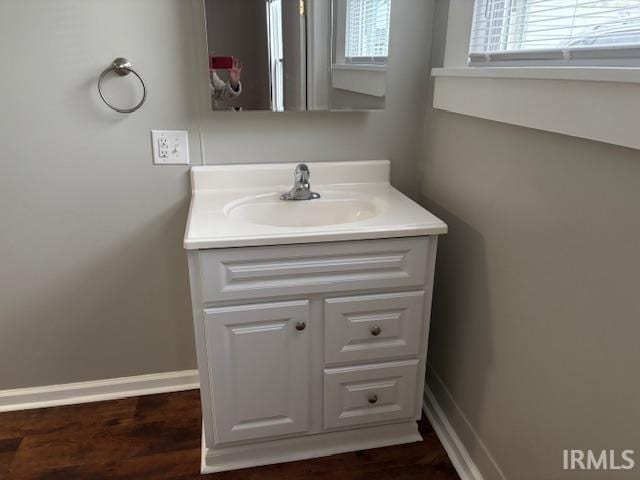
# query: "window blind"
[555,30]
[367,29]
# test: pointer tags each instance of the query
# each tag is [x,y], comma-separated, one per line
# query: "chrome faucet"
[301,188]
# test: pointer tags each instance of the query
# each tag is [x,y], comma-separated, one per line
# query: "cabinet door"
[259,369]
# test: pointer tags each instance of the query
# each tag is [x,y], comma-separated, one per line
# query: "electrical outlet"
[163,147]
[170,147]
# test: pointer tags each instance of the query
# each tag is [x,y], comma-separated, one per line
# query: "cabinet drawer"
[373,327]
[254,272]
[369,393]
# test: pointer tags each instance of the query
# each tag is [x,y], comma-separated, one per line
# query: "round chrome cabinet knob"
[373,398]
[301,325]
[376,330]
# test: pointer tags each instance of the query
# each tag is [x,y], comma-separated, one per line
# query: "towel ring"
[122,67]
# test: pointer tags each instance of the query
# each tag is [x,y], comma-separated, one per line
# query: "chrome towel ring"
[122,67]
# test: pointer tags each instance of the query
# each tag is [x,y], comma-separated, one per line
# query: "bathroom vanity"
[311,317]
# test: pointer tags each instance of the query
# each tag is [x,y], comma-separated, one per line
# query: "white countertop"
[216,187]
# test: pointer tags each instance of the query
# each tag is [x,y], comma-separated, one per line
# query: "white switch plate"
[170,147]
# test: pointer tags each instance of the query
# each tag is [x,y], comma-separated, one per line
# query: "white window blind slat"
[367,29]
[503,28]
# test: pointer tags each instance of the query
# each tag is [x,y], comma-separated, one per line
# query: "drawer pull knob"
[300,325]
[375,330]
[373,398]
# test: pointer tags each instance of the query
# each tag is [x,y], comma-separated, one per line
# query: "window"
[573,66]
[555,32]
[367,31]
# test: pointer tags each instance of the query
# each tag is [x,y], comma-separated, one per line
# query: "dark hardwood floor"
[158,437]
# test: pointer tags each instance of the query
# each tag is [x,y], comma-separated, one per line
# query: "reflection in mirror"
[359,56]
[298,55]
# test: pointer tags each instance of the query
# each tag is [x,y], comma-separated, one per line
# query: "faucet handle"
[302,173]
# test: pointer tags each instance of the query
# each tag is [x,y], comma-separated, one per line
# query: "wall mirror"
[298,55]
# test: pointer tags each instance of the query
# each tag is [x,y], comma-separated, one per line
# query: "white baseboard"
[455,448]
[97,391]
[457,452]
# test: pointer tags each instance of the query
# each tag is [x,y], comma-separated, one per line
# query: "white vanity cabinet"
[311,349]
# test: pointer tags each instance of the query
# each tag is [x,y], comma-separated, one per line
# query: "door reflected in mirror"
[298,55]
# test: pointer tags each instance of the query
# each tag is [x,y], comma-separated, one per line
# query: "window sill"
[361,78]
[589,74]
[588,102]
[366,67]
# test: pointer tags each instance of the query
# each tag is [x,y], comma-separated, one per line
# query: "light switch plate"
[170,147]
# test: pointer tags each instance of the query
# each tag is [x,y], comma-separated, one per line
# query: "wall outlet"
[170,147]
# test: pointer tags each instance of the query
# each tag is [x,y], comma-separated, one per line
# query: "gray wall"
[239,29]
[93,280]
[535,319]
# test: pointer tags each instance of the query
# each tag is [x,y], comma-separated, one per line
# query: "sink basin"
[239,206]
[331,209]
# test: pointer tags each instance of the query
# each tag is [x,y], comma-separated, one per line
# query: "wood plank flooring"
[158,437]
